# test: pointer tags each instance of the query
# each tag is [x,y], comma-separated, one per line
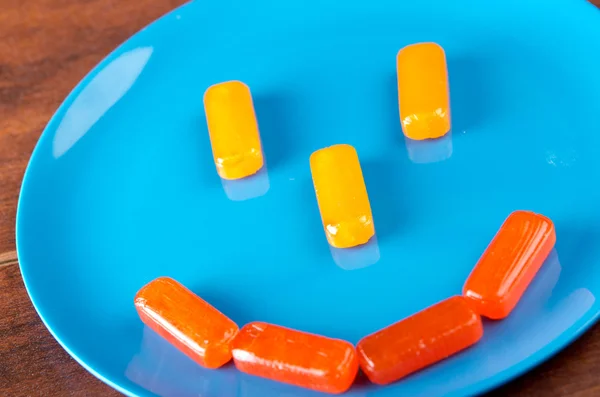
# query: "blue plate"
[122,188]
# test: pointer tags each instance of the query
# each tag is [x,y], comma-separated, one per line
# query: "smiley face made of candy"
[493,289]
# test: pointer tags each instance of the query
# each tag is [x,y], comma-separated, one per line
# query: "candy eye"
[423,91]
[233,130]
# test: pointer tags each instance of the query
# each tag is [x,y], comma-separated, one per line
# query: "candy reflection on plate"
[357,257]
[429,150]
[162,369]
[541,287]
[247,188]
[531,340]
[252,386]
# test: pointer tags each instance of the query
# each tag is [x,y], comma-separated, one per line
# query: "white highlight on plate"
[96,98]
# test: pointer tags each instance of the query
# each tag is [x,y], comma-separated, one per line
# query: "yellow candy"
[342,196]
[233,130]
[423,91]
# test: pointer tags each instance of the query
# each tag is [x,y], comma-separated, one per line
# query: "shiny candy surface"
[233,130]
[342,196]
[422,339]
[188,322]
[423,91]
[298,358]
[122,188]
[509,263]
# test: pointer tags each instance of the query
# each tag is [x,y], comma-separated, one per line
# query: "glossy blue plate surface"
[122,187]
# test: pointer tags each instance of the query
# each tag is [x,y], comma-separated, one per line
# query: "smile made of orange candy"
[493,289]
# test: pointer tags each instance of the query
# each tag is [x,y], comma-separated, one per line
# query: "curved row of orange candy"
[323,364]
[329,365]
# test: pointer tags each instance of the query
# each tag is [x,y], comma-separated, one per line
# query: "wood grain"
[46,47]
[8,258]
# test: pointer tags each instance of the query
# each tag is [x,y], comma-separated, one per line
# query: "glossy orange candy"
[189,323]
[294,357]
[423,91]
[419,340]
[233,130]
[342,196]
[509,264]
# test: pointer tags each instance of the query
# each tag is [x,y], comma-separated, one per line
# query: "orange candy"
[509,264]
[342,196]
[294,357]
[233,130]
[423,91]
[419,340]
[189,323]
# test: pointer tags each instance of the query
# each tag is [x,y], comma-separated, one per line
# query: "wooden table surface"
[46,47]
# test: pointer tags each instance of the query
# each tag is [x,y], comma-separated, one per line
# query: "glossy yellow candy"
[233,130]
[342,196]
[423,91]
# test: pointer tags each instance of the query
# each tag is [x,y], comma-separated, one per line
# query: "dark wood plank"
[46,47]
